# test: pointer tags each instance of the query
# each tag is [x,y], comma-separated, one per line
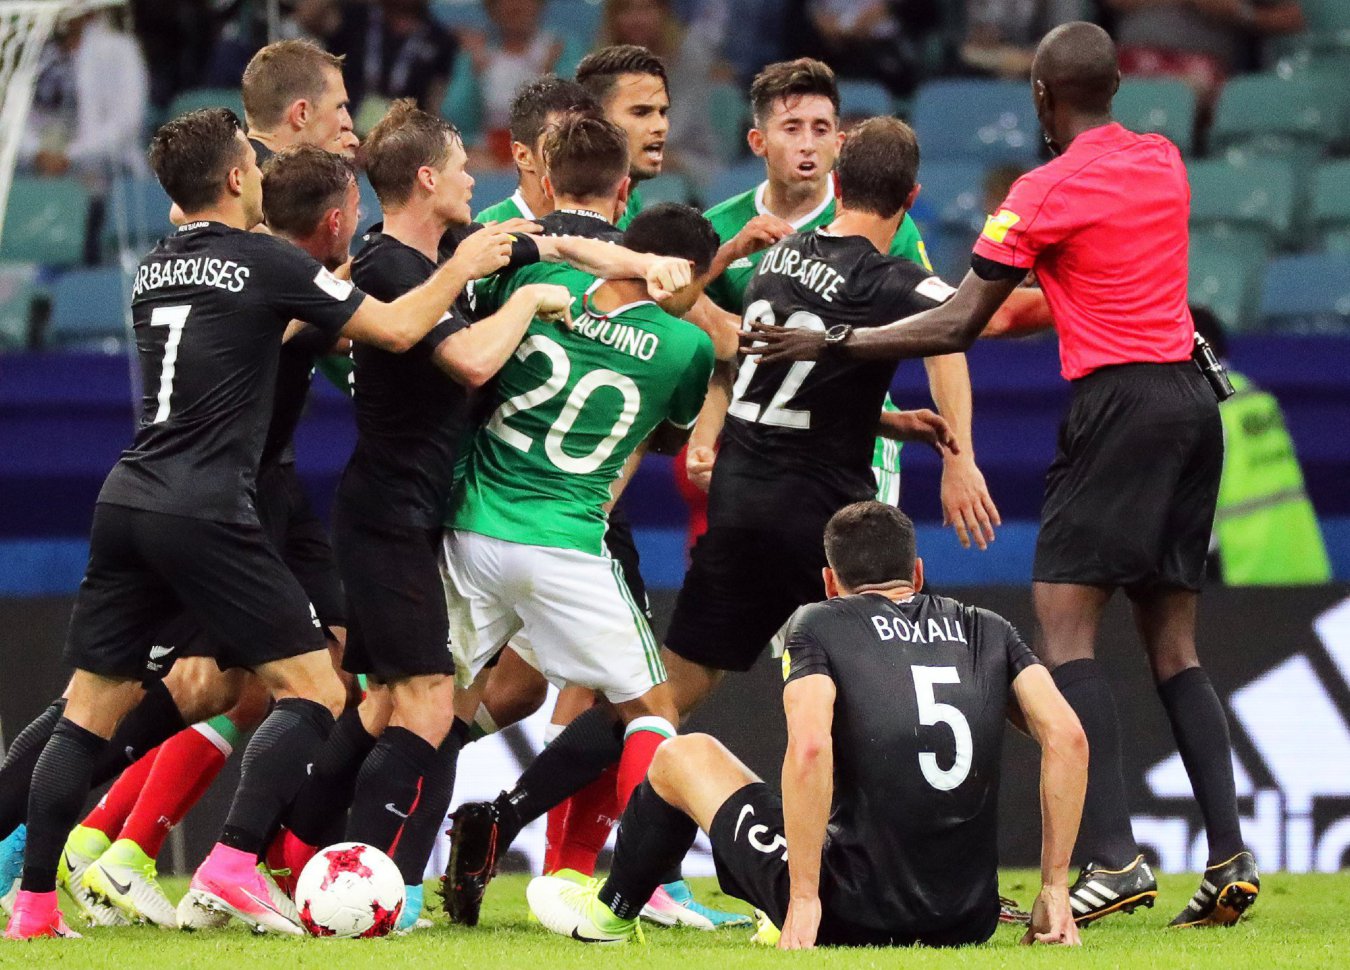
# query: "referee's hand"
[966,504]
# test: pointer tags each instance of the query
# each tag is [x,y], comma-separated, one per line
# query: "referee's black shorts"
[397,624]
[146,568]
[1130,496]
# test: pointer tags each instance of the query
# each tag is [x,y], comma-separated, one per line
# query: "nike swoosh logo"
[746,812]
[586,939]
[264,903]
[122,888]
[389,807]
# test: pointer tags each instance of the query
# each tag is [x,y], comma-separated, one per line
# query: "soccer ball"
[349,889]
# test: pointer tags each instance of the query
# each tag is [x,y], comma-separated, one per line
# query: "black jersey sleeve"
[524,250]
[898,288]
[299,288]
[805,653]
[998,632]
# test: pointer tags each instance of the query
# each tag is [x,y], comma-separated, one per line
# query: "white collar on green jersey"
[585,303]
[519,200]
[811,216]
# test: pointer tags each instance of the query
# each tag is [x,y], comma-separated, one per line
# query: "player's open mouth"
[807,169]
[655,152]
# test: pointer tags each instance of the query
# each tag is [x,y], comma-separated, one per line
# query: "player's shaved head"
[1077,64]
[870,544]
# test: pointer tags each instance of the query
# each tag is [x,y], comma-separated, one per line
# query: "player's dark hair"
[192,156]
[870,544]
[788,80]
[281,74]
[878,166]
[301,185]
[586,157]
[600,70]
[1209,326]
[546,95]
[404,140]
[672,229]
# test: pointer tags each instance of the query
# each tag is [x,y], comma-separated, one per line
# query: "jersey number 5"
[776,413]
[173,317]
[930,713]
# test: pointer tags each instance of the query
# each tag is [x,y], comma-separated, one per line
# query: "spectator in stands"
[394,49]
[244,27]
[691,65]
[176,42]
[1265,529]
[1001,35]
[874,39]
[1201,42]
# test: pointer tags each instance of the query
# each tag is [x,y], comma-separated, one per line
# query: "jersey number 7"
[776,414]
[173,317]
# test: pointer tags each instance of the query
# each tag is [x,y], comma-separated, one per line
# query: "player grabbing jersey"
[887,832]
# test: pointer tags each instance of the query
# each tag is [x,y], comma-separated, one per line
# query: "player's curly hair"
[789,80]
[401,142]
[192,156]
[878,166]
[281,74]
[546,95]
[301,185]
[870,544]
[600,70]
[586,157]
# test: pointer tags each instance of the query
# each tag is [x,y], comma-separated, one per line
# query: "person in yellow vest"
[1265,529]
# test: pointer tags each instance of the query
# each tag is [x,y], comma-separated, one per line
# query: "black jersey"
[410,414]
[799,437]
[579,222]
[295,373]
[922,690]
[209,307]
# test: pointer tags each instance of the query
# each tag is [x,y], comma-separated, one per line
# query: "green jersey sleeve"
[687,400]
[907,243]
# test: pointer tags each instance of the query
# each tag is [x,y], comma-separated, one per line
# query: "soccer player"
[537,106]
[176,528]
[1130,496]
[886,833]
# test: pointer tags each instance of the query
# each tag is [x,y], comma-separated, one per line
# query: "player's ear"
[426,177]
[297,115]
[755,139]
[918,575]
[523,156]
[234,180]
[625,190]
[910,199]
[831,583]
[547,182]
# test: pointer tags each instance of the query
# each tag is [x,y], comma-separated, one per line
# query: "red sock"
[640,741]
[188,762]
[113,808]
[594,811]
[555,831]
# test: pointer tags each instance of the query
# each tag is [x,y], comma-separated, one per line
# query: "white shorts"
[567,613]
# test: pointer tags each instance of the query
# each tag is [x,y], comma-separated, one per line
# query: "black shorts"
[1130,496]
[741,587]
[395,599]
[146,568]
[749,847]
[289,521]
[619,542]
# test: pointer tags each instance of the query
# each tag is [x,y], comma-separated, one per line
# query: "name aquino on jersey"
[626,339]
[814,274]
[223,274]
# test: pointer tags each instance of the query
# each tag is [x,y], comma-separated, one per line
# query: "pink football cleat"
[36,916]
[229,882]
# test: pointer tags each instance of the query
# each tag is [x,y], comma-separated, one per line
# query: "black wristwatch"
[836,335]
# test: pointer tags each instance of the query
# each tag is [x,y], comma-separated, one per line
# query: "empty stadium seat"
[1307,294]
[735,179]
[45,221]
[992,121]
[730,114]
[1250,197]
[1326,17]
[1225,275]
[89,306]
[670,187]
[1162,105]
[951,197]
[137,212]
[1331,204]
[17,288]
[491,187]
[197,98]
[1267,114]
[864,99]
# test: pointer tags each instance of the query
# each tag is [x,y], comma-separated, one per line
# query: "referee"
[1130,496]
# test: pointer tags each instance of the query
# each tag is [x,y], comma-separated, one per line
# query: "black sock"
[574,759]
[327,793]
[16,774]
[1106,837]
[274,768]
[674,874]
[389,788]
[1201,729]
[151,722]
[653,837]
[428,818]
[60,786]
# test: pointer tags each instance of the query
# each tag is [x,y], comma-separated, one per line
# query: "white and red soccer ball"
[350,889]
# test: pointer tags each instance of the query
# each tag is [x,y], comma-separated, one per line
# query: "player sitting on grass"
[895,704]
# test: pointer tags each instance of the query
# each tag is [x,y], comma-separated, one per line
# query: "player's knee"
[250,708]
[200,689]
[678,757]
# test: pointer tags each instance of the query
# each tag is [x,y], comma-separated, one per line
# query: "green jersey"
[886,462]
[571,406]
[632,209]
[513,207]
[730,217]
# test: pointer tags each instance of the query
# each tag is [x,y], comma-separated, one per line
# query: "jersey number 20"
[776,413]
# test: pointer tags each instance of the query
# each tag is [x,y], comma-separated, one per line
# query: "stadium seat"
[88,306]
[1250,197]
[1225,275]
[667,188]
[17,288]
[137,212]
[578,19]
[864,99]
[1162,105]
[992,121]
[370,206]
[730,115]
[491,187]
[735,179]
[1269,115]
[46,221]
[951,197]
[197,98]
[461,14]
[1307,294]
[1326,17]
[1331,204]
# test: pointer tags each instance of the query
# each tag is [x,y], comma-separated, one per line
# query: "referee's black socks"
[653,837]
[1106,838]
[1201,730]
[60,786]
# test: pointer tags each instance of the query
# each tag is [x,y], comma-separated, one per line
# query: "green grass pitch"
[1300,921]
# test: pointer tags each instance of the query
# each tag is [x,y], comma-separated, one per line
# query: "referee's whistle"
[1210,365]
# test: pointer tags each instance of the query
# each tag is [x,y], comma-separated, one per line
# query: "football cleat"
[83,848]
[1100,892]
[673,904]
[36,916]
[766,934]
[192,917]
[280,899]
[1010,912]
[124,877]
[11,865]
[246,896]
[475,846]
[411,914]
[1226,892]
[575,911]
[286,859]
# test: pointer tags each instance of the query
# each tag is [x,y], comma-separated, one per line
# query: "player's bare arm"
[1064,758]
[920,426]
[808,786]
[702,453]
[472,356]
[966,504]
[758,234]
[663,274]
[722,326]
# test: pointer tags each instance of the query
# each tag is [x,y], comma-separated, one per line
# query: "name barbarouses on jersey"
[223,274]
